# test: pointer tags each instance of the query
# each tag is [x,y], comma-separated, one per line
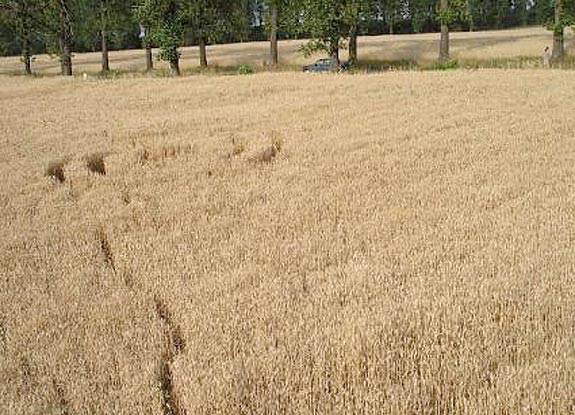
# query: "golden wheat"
[409,250]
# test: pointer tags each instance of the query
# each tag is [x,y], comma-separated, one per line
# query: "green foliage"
[543,11]
[144,12]
[446,16]
[164,21]
[169,36]
[245,69]
[314,46]
[114,17]
[204,19]
[445,66]
[456,10]
[113,74]
[329,22]
[213,20]
[553,22]
[38,26]
[21,23]
[389,11]
[287,12]
[61,18]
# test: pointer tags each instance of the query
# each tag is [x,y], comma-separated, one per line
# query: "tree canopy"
[61,27]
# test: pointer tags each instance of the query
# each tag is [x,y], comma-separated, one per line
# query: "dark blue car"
[324,65]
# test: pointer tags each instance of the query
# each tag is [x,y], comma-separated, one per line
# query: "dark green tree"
[421,14]
[24,21]
[59,19]
[209,21]
[143,13]
[276,13]
[556,15]
[559,24]
[445,17]
[543,11]
[563,16]
[330,23]
[166,28]
[358,15]
[390,11]
[521,11]
[449,12]
[107,17]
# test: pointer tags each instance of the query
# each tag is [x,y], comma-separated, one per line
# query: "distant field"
[409,250]
[420,49]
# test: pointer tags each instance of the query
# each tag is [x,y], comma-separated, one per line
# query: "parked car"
[324,65]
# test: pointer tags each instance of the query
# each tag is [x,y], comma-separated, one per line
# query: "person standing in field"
[546,57]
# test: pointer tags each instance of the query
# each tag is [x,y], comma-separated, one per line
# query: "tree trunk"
[26,57]
[353,46]
[558,34]
[28,64]
[105,54]
[149,58]
[391,28]
[65,40]
[471,20]
[274,35]
[444,41]
[66,59]
[558,47]
[203,53]
[334,55]
[470,15]
[523,12]
[104,34]
[175,67]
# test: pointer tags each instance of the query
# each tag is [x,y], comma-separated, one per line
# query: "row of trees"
[61,26]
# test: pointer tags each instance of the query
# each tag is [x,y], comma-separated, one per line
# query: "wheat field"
[281,243]
[421,49]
